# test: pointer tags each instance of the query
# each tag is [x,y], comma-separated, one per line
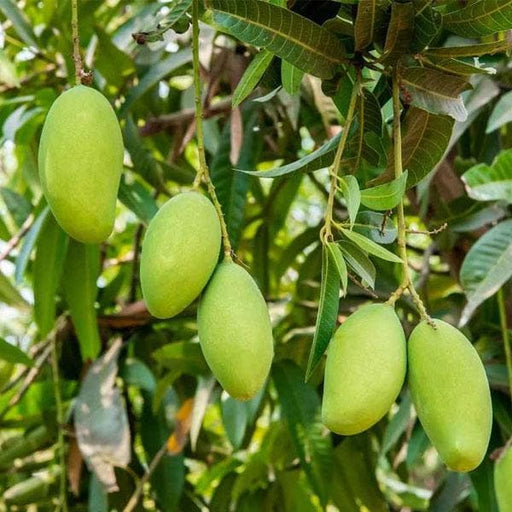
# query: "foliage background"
[271,453]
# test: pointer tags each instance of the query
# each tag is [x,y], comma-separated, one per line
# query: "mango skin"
[365,369]
[451,394]
[179,253]
[235,331]
[80,163]
[503,481]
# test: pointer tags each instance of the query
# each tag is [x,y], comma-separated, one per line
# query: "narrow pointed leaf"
[501,113]
[252,76]
[376,226]
[13,354]
[385,196]
[16,16]
[400,32]
[339,263]
[470,50]
[371,247]
[350,190]
[359,262]
[427,24]
[291,77]
[9,294]
[370,18]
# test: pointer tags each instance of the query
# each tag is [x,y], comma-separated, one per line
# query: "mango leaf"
[339,263]
[101,422]
[370,18]
[434,91]
[138,199]
[427,24]
[49,261]
[491,183]
[81,270]
[479,18]
[327,310]
[13,354]
[385,196]
[375,226]
[372,113]
[359,262]
[469,50]
[399,33]
[252,76]
[398,425]
[487,266]
[483,482]
[318,159]
[452,491]
[301,406]
[425,139]
[16,16]
[350,189]
[9,294]
[298,40]
[501,113]
[291,77]
[455,67]
[18,206]
[371,247]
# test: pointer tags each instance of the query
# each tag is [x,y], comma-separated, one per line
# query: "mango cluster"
[366,368]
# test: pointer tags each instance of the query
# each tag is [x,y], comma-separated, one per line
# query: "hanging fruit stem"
[77,59]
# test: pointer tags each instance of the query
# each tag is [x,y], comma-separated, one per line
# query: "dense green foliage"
[110,408]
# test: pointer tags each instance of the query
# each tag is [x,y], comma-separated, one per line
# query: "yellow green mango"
[450,393]
[80,163]
[235,331]
[365,369]
[179,253]
[503,480]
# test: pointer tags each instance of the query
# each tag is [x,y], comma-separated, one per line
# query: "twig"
[15,240]
[130,506]
[505,336]
[427,232]
[77,59]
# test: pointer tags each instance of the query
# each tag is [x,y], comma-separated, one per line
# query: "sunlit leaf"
[252,76]
[385,196]
[370,246]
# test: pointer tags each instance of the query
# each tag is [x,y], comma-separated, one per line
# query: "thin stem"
[406,283]
[326,232]
[76,42]
[60,423]
[203,172]
[505,336]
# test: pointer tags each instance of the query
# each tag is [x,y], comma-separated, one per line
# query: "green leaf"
[9,294]
[300,406]
[156,72]
[479,18]
[19,22]
[400,32]
[319,159]
[455,67]
[434,91]
[18,206]
[469,50]
[487,266]
[397,426]
[385,196]
[50,254]
[327,310]
[370,20]
[291,77]
[138,199]
[376,226]
[452,491]
[371,247]
[483,482]
[350,190]
[491,183]
[359,262]
[427,24]
[294,38]
[235,417]
[252,76]
[425,140]
[340,265]
[81,270]
[13,354]
[501,113]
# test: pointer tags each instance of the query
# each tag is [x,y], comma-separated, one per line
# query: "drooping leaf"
[81,270]
[294,249]
[359,262]
[370,246]
[13,354]
[252,76]
[385,196]
[469,50]
[453,490]
[300,404]
[483,482]
[20,23]
[491,183]
[50,254]
[479,18]
[487,266]
[434,91]
[427,24]
[9,294]
[291,77]
[398,425]
[101,422]
[400,31]
[456,67]
[376,226]
[294,38]
[501,113]
[327,310]
[19,208]
[340,265]
[369,22]
[138,199]
[352,195]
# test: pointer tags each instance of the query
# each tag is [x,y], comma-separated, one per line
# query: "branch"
[15,240]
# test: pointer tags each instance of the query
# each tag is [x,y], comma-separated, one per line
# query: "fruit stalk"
[406,283]
[326,233]
[77,59]
[505,336]
[203,172]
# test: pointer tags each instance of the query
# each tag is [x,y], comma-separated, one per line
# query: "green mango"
[365,369]
[235,331]
[450,393]
[179,253]
[503,480]
[80,163]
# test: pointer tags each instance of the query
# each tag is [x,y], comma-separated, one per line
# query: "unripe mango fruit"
[450,393]
[80,163]
[179,253]
[503,481]
[365,369]
[235,331]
